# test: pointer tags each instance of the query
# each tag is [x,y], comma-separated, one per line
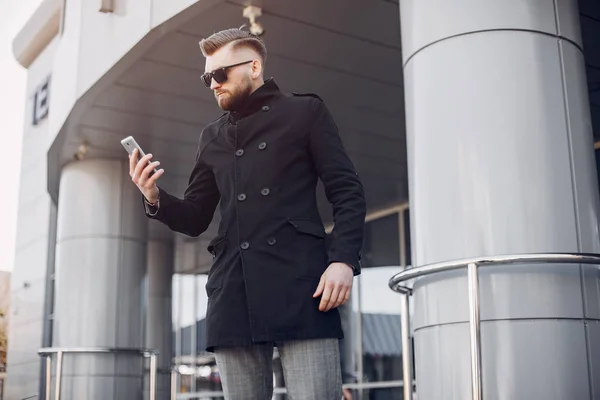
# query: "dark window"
[382,242]
[406,214]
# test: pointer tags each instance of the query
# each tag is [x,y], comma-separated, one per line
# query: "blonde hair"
[239,38]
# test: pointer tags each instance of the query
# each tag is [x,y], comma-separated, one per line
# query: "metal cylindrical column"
[158,310]
[500,160]
[100,264]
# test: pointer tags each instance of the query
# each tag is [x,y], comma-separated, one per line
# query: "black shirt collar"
[260,98]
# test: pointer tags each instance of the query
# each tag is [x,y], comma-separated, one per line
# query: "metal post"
[405,317]
[48,376]
[359,337]
[179,324]
[153,376]
[406,348]
[59,359]
[173,384]
[475,333]
[194,334]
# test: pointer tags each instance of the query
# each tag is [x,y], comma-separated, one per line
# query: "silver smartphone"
[129,144]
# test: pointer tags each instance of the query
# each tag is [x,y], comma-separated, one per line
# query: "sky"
[13,16]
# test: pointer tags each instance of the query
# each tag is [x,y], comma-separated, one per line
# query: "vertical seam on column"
[556,21]
[569,132]
[118,266]
[575,197]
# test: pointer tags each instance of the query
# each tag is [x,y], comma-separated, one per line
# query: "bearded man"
[272,282]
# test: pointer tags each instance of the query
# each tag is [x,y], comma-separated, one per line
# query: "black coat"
[262,163]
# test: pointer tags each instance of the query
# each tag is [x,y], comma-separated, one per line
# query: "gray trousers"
[311,370]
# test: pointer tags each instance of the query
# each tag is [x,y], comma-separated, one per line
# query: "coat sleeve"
[193,214]
[343,188]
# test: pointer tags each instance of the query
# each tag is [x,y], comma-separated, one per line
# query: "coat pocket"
[214,281]
[215,275]
[308,226]
[309,249]
[216,244]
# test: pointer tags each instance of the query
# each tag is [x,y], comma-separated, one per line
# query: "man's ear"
[257,69]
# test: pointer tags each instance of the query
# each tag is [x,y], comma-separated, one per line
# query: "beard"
[233,100]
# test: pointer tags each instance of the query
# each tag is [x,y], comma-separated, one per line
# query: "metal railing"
[47,352]
[280,390]
[473,287]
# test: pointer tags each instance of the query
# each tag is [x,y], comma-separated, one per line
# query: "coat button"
[262,146]
[271,241]
[239,152]
[265,191]
[245,245]
[242,197]
[266,108]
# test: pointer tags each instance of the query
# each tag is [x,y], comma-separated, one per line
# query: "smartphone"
[129,144]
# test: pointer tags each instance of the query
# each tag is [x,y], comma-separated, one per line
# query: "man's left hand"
[335,286]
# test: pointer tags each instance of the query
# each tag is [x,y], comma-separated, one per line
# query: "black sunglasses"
[220,74]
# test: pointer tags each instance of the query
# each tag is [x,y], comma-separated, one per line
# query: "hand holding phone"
[143,172]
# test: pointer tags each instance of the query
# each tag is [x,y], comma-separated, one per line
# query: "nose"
[214,84]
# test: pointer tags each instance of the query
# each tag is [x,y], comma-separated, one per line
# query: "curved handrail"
[549,258]
[47,352]
[472,265]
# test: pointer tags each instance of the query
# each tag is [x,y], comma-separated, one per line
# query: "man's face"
[238,86]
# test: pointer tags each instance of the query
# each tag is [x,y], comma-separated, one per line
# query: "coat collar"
[257,100]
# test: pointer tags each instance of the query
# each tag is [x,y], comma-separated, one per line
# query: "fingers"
[152,180]
[138,173]
[346,295]
[148,170]
[333,300]
[343,297]
[338,300]
[132,161]
[320,288]
[334,295]
[144,178]
[139,165]
[326,298]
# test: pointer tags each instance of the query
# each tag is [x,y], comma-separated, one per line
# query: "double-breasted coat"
[262,164]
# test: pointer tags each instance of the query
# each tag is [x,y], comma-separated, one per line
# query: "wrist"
[349,266]
[354,270]
[348,259]
[152,202]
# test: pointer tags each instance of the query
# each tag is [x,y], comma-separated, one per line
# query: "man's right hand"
[140,175]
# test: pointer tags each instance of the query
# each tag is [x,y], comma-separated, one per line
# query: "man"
[272,282]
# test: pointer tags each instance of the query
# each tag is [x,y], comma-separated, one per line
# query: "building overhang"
[155,94]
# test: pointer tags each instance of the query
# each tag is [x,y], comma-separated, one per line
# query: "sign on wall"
[40,101]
